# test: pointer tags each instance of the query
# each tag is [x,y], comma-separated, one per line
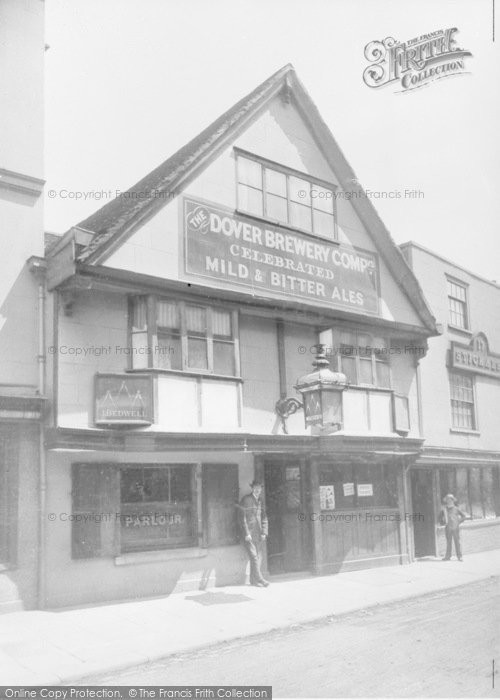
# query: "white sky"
[130,81]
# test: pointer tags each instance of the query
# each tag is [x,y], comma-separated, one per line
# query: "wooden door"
[423,512]
[288,532]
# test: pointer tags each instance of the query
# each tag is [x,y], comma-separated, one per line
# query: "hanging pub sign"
[475,357]
[123,399]
[313,411]
[240,251]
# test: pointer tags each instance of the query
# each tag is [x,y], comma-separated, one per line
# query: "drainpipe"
[42,357]
[37,267]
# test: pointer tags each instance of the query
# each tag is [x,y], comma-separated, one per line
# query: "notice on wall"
[327,497]
[238,250]
[348,489]
[292,474]
[365,490]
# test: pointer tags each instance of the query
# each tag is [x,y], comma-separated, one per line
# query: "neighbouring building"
[21,298]
[460,388]
[183,312]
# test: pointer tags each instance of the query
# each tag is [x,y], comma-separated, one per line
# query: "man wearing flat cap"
[451,518]
[253,524]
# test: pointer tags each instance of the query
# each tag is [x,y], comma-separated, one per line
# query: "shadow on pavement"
[217,598]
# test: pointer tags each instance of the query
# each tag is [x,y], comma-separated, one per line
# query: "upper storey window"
[457,304]
[272,192]
[173,334]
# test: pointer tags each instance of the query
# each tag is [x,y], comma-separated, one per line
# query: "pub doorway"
[423,512]
[288,542]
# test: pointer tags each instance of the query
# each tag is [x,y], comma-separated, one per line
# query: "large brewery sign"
[238,250]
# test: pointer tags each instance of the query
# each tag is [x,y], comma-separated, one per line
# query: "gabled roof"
[115,221]
[51,240]
[116,216]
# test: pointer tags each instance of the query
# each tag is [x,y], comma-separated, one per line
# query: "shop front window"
[344,487]
[183,337]
[476,489]
[157,507]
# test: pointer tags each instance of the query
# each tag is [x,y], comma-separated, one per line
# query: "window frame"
[154,333]
[474,428]
[193,504]
[383,477]
[465,302]
[288,172]
[448,483]
[336,358]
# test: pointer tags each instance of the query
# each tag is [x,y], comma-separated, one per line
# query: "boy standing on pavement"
[452,517]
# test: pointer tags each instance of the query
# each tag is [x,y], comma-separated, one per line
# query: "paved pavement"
[438,645]
[60,646]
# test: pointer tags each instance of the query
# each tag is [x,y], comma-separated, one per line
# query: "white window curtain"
[167,314]
[221,323]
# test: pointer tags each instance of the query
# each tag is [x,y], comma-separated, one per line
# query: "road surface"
[439,645]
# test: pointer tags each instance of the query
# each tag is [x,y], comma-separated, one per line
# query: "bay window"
[172,334]
[363,358]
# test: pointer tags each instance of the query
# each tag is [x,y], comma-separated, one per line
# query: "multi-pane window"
[165,484]
[345,480]
[158,507]
[286,198]
[476,489]
[168,326]
[183,336]
[463,414]
[363,358]
[457,304]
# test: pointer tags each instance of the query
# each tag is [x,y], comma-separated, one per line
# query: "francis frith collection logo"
[416,62]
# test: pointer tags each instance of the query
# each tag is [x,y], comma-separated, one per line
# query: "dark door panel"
[422,502]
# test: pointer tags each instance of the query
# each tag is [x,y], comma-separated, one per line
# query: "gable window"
[182,336]
[363,358]
[272,192]
[457,304]
[463,411]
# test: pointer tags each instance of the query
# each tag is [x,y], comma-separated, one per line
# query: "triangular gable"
[117,220]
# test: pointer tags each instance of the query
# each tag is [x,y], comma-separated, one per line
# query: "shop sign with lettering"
[123,399]
[475,357]
[238,250]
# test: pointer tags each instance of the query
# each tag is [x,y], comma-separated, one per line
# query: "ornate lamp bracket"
[285,408]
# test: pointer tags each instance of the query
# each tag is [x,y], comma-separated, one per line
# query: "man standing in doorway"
[452,517]
[253,523]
